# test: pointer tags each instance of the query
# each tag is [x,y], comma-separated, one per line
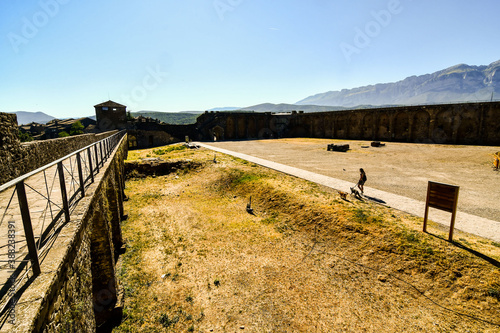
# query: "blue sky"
[62,57]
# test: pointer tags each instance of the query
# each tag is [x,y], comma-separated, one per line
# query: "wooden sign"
[443,197]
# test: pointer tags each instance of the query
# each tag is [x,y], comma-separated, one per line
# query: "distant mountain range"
[269,107]
[178,118]
[146,111]
[225,108]
[460,83]
[25,117]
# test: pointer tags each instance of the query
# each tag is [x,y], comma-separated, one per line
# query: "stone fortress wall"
[464,123]
[18,158]
[147,135]
[77,290]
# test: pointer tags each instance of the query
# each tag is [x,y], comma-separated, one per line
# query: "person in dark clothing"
[362,179]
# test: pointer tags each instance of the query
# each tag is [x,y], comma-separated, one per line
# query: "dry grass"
[307,260]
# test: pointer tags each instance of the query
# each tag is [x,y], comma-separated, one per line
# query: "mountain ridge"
[455,84]
[26,117]
[284,107]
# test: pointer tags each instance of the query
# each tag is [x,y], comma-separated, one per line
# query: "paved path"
[465,222]
[43,193]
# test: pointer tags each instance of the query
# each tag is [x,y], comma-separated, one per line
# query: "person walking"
[362,179]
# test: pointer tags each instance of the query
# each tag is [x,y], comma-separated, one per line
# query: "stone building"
[111,116]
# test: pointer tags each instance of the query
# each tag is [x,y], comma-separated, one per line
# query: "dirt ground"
[398,168]
[304,260]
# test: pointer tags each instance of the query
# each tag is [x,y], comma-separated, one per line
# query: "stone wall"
[151,134]
[139,139]
[465,123]
[10,147]
[77,290]
[17,158]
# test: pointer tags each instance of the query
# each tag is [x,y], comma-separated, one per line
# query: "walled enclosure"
[17,159]
[465,123]
[76,290]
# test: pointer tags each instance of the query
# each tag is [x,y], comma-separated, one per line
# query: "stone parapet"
[17,159]
[77,289]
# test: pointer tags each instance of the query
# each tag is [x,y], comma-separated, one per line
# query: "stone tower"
[111,116]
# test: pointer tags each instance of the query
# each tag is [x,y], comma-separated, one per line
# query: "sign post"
[443,197]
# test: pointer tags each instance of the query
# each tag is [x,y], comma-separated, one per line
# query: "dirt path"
[398,168]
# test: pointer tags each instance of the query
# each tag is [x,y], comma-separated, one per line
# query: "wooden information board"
[443,197]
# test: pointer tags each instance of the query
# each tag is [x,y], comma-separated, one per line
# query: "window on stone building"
[132,141]
[104,108]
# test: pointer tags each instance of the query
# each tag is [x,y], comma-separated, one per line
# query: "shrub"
[76,128]
[25,137]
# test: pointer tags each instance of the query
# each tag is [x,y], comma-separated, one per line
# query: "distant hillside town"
[57,128]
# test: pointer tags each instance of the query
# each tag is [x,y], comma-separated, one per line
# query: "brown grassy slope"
[306,261]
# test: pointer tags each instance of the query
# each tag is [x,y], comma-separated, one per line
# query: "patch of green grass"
[240,161]
[360,215]
[245,178]
[166,322]
[268,220]
[410,236]
[366,217]
[413,244]
[168,149]
[272,219]
[151,196]
[494,292]
[464,241]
